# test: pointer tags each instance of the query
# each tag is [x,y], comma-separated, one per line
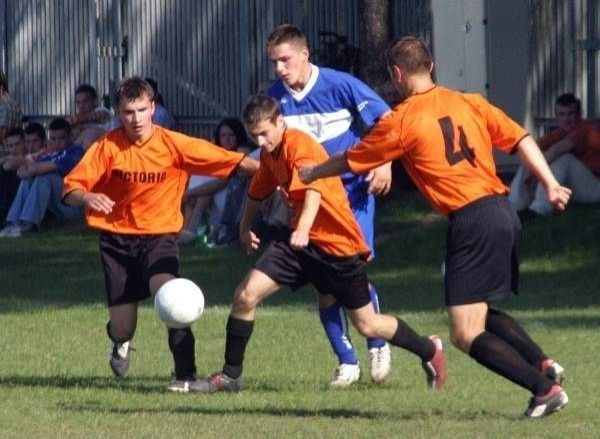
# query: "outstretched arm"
[335,165]
[534,160]
[248,165]
[310,208]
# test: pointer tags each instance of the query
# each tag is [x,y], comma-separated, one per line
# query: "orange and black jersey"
[146,181]
[335,231]
[445,140]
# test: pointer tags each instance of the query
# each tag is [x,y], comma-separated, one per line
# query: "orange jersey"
[146,181]
[335,231]
[586,141]
[445,140]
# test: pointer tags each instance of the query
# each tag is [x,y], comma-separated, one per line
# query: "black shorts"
[482,252]
[345,278]
[129,261]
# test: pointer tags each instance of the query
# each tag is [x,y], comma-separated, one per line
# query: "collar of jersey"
[299,95]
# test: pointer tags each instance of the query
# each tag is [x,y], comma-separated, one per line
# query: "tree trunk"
[373,40]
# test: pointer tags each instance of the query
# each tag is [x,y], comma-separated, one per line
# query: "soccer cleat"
[180,386]
[553,370]
[344,375]
[381,363]
[553,401]
[218,382]
[120,354]
[436,367]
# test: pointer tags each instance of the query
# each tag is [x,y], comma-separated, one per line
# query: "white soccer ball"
[179,303]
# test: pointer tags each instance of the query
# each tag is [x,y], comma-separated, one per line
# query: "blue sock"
[335,322]
[375,342]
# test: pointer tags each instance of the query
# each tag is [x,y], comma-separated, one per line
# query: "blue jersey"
[331,108]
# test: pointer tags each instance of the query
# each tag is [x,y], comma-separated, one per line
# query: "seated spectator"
[161,115]
[573,152]
[10,112]
[41,184]
[35,146]
[220,200]
[14,144]
[91,120]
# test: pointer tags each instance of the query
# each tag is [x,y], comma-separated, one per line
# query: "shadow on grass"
[61,268]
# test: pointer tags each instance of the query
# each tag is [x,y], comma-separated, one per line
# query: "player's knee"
[245,300]
[365,328]
[461,340]
[121,333]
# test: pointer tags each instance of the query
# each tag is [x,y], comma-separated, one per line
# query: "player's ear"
[395,73]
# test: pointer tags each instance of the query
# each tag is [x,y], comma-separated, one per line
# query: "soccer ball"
[179,303]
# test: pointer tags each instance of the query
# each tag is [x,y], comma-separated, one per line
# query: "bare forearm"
[74,198]
[535,161]
[250,209]
[248,166]
[335,165]
[310,208]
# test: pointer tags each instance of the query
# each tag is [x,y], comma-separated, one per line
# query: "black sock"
[238,334]
[182,345]
[498,356]
[109,334]
[408,339]
[505,327]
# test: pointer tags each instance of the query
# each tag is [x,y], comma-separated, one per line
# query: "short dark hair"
[287,33]
[259,108]
[132,88]
[568,99]
[59,123]
[411,54]
[15,131]
[88,89]
[36,128]
[236,126]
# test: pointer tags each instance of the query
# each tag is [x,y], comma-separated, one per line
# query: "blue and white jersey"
[330,108]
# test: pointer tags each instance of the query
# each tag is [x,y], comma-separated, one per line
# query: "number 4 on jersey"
[465,152]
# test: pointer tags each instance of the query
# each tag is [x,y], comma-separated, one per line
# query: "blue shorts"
[363,207]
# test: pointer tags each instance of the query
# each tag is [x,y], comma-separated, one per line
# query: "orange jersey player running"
[131,183]
[326,249]
[445,141]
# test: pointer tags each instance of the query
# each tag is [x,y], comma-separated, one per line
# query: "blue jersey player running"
[329,105]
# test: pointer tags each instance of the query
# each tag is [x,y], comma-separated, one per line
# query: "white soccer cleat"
[381,363]
[344,375]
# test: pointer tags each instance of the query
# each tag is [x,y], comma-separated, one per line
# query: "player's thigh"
[158,280]
[255,287]
[123,277]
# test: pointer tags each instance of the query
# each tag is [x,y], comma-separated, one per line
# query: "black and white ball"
[179,303]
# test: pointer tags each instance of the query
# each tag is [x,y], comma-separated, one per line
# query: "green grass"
[55,380]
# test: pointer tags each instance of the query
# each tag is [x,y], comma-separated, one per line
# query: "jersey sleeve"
[88,171]
[201,157]
[305,151]
[505,133]
[263,183]
[381,145]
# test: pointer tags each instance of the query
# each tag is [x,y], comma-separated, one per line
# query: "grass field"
[55,380]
